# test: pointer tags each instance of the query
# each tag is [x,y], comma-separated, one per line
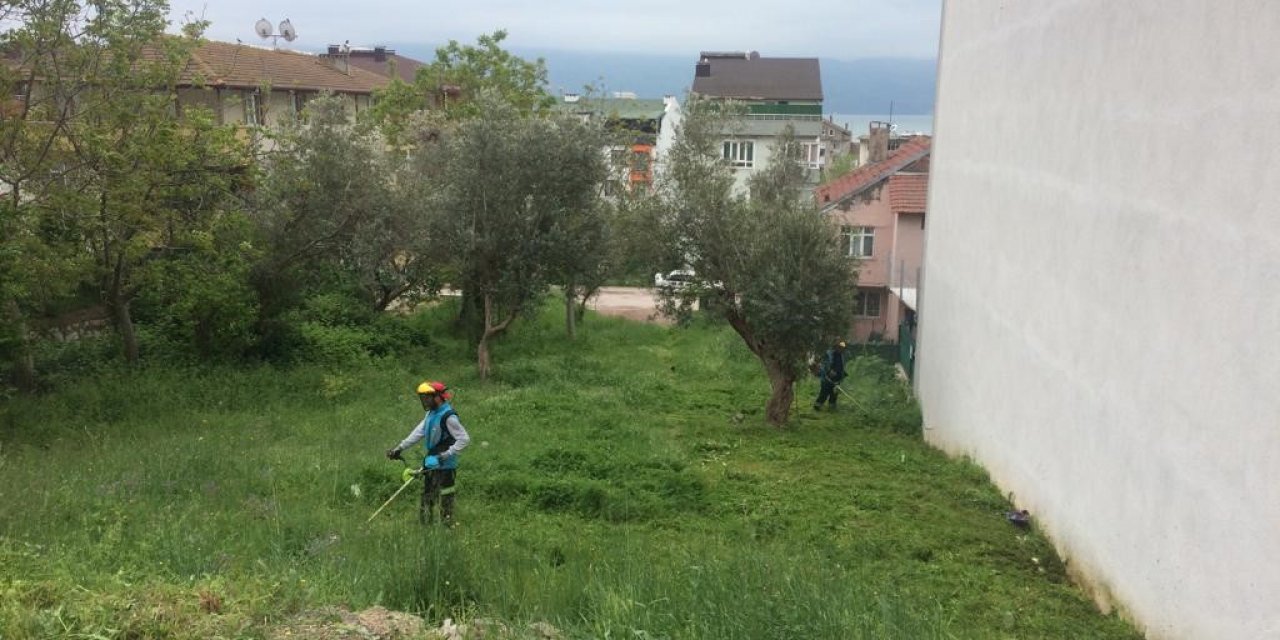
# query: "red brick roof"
[223,64]
[868,176]
[908,192]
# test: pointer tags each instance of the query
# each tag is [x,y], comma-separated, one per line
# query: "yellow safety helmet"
[431,387]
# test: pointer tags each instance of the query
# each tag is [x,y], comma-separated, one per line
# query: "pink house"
[879,211]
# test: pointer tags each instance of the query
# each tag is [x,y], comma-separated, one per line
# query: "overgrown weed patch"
[622,485]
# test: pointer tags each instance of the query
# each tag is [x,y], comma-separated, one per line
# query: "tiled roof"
[908,192]
[755,78]
[406,68]
[223,64]
[865,177]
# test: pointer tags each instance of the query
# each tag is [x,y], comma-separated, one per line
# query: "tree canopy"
[510,198]
[766,261]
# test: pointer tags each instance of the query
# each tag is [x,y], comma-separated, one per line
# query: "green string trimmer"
[409,475]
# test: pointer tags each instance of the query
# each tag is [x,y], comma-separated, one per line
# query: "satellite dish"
[263,28]
[287,32]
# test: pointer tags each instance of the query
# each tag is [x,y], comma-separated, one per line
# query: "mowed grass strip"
[623,485]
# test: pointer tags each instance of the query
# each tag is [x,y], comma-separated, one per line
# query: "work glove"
[432,462]
[394,454]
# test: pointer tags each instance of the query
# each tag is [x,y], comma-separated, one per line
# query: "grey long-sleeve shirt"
[460,437]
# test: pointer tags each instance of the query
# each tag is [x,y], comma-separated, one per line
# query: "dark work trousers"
[438,485]
[828,392]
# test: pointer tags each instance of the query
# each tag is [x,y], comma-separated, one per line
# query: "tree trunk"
[490,330]
[482,357]
[24,363]
[570,314]
[124,326]
[582,302]
[471,313]
[782,394]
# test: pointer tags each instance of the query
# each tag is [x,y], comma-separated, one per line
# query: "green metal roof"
[616,108]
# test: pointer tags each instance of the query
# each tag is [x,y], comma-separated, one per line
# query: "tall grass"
[623,485]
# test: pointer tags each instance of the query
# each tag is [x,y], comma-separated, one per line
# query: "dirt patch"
[378,623]
[340,624]
[633,303]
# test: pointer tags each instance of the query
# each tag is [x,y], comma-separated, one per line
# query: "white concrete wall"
[1100,313]
[277,108]
[672,118]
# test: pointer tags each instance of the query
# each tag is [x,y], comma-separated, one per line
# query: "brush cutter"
[849,396]
[409,476]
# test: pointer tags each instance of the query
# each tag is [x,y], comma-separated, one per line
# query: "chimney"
[337,57]
[380,54]
[339,63]
[703,70]
[878,142]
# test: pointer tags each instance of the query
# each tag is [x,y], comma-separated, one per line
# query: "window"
[300,100]
[811,155]
[253,108]
[20,92]
[867,304]
[740,154]
[858,241]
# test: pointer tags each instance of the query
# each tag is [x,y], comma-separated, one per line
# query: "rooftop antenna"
[265,30]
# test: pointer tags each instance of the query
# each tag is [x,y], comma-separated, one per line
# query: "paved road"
[636,303]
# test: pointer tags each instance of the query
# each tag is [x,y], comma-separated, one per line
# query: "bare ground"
[634,303]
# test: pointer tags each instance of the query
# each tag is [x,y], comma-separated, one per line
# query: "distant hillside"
[856,86]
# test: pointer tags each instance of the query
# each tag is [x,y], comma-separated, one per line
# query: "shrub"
[328,344]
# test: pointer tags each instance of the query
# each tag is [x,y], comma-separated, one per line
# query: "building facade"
[879,212]
[1100,310]
[258,86]
[776,93]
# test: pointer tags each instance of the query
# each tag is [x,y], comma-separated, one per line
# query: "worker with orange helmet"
[443,436]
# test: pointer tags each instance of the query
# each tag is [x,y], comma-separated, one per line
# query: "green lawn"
[620,486]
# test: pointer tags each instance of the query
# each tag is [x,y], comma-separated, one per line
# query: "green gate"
[907,348]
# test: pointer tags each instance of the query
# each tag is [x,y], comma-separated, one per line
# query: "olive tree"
[335,204]
[506,193]
[767,262]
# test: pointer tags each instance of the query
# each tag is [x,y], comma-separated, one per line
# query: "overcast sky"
[839,29]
